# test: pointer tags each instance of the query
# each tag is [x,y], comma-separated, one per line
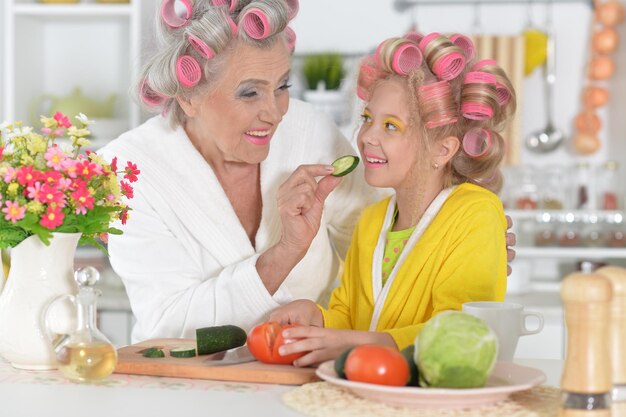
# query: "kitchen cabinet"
[50,49]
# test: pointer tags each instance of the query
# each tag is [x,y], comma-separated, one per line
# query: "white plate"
[506,378]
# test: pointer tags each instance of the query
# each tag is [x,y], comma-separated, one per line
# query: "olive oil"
[87,361]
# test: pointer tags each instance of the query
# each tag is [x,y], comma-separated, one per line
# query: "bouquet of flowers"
[48,187]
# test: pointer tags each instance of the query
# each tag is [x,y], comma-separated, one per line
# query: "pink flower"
[53,217]
[46,130]
[64,184]
[55,157]
[50,195]
[13,211]
[62,120]
[10,174]
[131,172]
[34,190]
[114,164]
[26,175]
[51,177]
[83,200]
[127,189]
[124,216]
[88,169]
[69,165]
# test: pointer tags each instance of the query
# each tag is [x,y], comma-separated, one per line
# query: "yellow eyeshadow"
[397,123]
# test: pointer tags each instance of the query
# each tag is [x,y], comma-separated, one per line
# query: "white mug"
[508,321]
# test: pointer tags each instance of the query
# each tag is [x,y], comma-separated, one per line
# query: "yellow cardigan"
[460,257]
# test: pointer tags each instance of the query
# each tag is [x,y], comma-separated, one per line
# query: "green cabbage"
[455,350]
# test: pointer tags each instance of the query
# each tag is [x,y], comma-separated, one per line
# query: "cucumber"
[409,355]
[340,363]
[186,351]
[345,165]
[218,338]
[153,352]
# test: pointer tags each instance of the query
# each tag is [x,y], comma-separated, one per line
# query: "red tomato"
[377,364]
[264,341]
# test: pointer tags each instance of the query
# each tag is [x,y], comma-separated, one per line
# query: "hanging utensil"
[549,138]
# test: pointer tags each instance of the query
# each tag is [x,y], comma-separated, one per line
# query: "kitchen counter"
[47,393]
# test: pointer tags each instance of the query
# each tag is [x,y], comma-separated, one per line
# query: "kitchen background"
[85,56]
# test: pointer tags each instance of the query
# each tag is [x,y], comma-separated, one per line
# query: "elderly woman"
[230,217]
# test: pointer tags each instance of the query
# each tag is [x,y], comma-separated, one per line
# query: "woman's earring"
[435,165]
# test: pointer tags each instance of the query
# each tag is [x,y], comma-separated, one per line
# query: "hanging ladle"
[549,138]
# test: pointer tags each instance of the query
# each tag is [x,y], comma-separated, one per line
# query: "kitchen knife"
[234,356]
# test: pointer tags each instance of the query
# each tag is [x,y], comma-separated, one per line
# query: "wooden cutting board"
[131,361]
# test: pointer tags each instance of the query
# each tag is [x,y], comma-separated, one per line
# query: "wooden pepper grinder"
[586,381]
[617,337]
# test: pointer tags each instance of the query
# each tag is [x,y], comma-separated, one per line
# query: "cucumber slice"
[153,352]
[345,165]
[183,352]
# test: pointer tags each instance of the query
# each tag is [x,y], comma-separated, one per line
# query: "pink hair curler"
[188,71]
[200,46]
[430,97]
[171,17]
[292,6]
[234,29]
[291,38]
[256,24]
[480,78]
[449,65]
[476,111]
[231,4]
[483,63]
[406,58]
[149,96]
[466,44]
[414,36]
[477,142]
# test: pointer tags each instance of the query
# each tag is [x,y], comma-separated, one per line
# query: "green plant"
[327,67]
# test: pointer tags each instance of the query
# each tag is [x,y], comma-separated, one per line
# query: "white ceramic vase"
[38,275]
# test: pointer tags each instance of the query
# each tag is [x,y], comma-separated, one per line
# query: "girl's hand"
[326,344]
[300,204]
[510,241]
[304,312]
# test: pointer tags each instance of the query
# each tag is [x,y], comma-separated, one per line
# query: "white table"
[48,394]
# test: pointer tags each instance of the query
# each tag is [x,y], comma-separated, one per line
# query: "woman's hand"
[326,344]
[300,204]
[510,241]
[304,312]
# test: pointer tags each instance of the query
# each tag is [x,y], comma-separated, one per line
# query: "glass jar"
[552,188]
[608,186]
[592,232]
[569,233]
[582,181]
[546,230]
[525,191]
[615,230]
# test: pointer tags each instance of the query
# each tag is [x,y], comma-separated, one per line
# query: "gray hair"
[209,24]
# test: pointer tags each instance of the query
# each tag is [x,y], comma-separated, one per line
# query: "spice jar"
[608,187]
[615,230]
[582,181]
[546,232]
[592,233]
[525,194]
[552,189]
[569,233]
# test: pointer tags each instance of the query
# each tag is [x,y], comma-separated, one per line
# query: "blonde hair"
[158,85]
[436,100]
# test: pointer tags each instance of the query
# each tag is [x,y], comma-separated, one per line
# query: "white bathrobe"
[184,257]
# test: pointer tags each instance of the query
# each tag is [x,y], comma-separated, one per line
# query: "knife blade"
[234,356]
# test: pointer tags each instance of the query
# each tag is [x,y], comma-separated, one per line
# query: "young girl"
[429,132]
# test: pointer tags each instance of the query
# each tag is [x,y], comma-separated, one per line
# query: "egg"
[605,41]
[601,67]
[610,13]
[586,144]
[593,96]
[588,122]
